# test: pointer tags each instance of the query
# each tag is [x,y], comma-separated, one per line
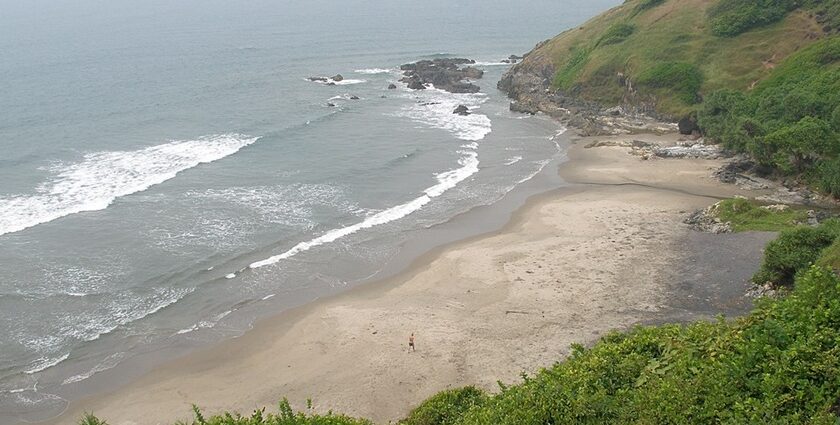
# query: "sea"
[169,175]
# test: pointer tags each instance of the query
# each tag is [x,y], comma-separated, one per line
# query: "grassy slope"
[675,30]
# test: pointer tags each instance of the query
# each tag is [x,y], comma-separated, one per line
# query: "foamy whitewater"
[170,175]
[101,177]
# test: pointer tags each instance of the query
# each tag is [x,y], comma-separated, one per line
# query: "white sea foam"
[513,160]
[110,362]
[267,297]
[101,177]
[479,63]
[434,107]
[205,324]
[230,275]
[446,180]
[371,71]
[45,363]
[344,82]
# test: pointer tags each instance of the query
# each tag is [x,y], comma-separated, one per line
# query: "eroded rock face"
[445,74]
[529,84]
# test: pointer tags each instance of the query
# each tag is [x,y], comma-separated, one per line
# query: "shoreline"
[465,299]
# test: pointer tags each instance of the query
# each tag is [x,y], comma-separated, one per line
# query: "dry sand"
[571,266]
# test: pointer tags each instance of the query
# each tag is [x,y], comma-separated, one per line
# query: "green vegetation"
[789,121]
[732,17]
[595,60]
[447,407]
[745,216]
[794,251]
[616,34]
[679,78]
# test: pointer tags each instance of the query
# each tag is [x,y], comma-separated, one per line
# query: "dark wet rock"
[688,125]
[730,171]
[331,83]
[337,77]
[461,110]
[330,104]
[445,74]
[392,86]
[354,97]
[473,73]
[319,79]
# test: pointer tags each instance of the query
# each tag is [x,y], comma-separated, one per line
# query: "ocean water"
[168,174]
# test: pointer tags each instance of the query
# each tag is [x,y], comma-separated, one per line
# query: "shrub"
[798,145]
[616,34]
[746,215]
[447,407]
[732,17]
[794,250]
[683,78]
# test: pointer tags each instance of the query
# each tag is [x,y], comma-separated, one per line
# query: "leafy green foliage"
[729,18]
[89,419]
[447,407]
[745,215]
[616,34]
[790,122]
[795,250]
[683,78]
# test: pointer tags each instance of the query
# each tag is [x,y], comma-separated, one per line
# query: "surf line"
[446,180]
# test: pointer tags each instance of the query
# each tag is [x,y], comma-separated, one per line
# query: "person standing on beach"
[411,342]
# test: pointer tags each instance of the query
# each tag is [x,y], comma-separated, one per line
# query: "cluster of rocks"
[706,220]
[513,59]
[446,74]
[690,150]
[330,81]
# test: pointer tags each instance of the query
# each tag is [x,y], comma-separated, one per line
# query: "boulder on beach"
[461,110]
[688,125]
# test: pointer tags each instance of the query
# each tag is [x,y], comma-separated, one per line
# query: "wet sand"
[605,253]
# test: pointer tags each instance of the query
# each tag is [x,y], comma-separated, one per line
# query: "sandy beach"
[608,252]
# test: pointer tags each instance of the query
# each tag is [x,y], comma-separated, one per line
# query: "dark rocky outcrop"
[529,85]
[446,74]
[688,125]
[354,97]
[337,77]
[461,110]
[392,86]
[318,79]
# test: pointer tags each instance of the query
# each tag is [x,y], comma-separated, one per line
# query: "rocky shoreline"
[449,74]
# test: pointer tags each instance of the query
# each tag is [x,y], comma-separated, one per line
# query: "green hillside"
[669,54]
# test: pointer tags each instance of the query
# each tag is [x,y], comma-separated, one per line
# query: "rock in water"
[461,110]
[337,77]
[354,97]
[392,86]
[331,105]
[444,74]
[321,79]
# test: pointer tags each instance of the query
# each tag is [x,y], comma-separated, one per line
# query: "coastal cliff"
[659,59]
